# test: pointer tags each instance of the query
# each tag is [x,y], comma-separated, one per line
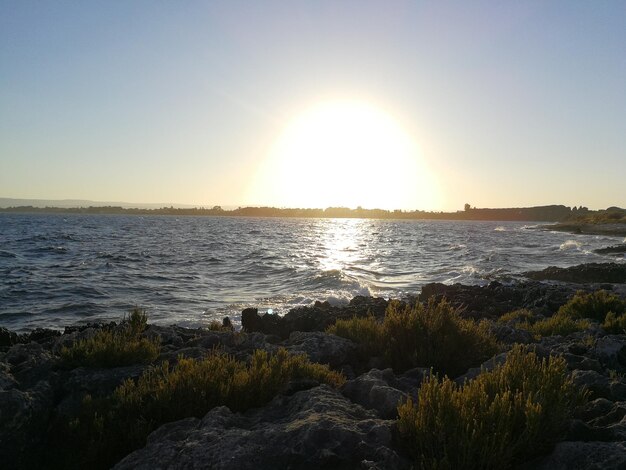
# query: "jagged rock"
[609,250]
[166,335]
[575,361]
[7,380]
[585,456]
[583,273]
[321,347]
[377,390]
[315,318]
[611,351]
[24,417]
[95,382]
[30,363]
[313,429]
[508,334]
[486,366]
[7,338]
[496,299]
[599,385]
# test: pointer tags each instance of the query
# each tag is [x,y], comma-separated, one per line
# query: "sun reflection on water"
[342,243]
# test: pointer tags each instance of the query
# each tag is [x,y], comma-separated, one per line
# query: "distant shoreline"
[552,213]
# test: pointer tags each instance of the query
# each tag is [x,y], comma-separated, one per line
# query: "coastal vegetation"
[421,335]
[576,315]
[412,395]
[109,428]
[503,417]
[119,346]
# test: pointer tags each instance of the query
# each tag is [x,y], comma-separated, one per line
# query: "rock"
[508,334]
[494,300]
[600,386]
[583,273]
[609,250]
[30,363]
[484,367]
[611,351]
[322,348]
[166,335]
[584,456]
[24,418]
[315,318]
[7,339]
[313,429]
[373,390]
[95,382]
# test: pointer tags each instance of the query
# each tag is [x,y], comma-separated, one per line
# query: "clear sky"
[415,105]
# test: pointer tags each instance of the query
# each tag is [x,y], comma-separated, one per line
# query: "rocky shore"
[310,424]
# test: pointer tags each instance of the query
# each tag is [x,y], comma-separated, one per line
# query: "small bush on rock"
[364,331]
[557,324]
[120,346]
[108,429]
[614,323]
[517,316]
[514,412]
[431,335]
[595,305]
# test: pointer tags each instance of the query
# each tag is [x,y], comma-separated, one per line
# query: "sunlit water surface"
[57,270]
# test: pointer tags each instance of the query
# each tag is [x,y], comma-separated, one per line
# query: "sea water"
[57,270]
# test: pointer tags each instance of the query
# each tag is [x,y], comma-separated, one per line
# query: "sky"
[410,105]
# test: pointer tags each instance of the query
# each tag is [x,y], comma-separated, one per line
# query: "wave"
[7,254]
[500,228]
[571,245]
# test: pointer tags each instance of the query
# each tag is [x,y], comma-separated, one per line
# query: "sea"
[58,270]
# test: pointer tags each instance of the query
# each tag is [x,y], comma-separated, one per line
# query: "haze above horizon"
[395,105]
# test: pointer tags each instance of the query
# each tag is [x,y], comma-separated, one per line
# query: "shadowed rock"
[583,273]
[313,429]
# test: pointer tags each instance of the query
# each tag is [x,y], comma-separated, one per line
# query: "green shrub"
[518,316]
[114,347]
[594,305]
[431,335]
[108,429]
[364,331]
[557,324]
[614,323]
[514,412]
[435,335]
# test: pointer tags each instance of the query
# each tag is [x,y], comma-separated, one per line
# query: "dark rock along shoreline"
[312,425]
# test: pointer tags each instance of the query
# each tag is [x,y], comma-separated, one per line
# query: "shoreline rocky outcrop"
[309,425]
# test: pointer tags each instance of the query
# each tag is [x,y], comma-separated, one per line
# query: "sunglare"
[345,154]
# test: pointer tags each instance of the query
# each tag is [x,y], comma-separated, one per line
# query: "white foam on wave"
[571,245]
[500,228]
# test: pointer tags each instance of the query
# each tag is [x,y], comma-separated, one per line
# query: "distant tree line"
[552,213]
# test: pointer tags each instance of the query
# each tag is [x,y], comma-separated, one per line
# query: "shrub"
[518,316]
[557,324]
[108,429]
[364,331]
[614,323]
[594,305]
[514,412]
[432,335]
[435,335]
[114,347]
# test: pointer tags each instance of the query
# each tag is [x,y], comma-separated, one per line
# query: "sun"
[344,154]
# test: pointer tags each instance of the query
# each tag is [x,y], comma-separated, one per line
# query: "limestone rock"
[585,456]
[313,429]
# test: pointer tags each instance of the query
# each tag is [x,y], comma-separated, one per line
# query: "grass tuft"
[114,347]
